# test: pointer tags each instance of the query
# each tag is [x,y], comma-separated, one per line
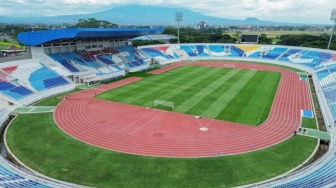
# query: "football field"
[236,95]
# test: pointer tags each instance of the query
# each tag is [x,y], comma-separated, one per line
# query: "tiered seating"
[169,51]
[9,70]
[116,68]
[110,51]
[236,52]
[318,178]
[290,55]
[217,50]
[156,53]
[317,57]
[3,76]
[81,63]
[106,60]
[202,50]
[38,78]
[130,53]
[189,51]
[256,55]
[54,82]
[57,57]
[274,53]
[91,62]
[88,54]
[68,65]
[11,180]
[15,92]
[63,59]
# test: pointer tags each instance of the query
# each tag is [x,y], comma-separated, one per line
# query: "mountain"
[140,15]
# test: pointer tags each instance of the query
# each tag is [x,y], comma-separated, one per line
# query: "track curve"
[137,130]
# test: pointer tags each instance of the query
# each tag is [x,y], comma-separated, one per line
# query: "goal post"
[165,105]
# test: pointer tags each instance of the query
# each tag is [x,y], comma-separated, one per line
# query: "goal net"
[164,105]
[229,66]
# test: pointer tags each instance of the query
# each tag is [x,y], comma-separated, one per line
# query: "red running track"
[137,130]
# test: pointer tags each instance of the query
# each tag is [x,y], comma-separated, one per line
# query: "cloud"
[277,10]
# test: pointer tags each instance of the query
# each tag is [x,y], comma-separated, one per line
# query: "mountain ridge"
[142,15]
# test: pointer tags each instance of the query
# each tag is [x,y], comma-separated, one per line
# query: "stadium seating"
[317,178]
[236,52]
[43,78]
[12,180]
[273,53]
[156,53]
[15,92]
[191,52]
[106,60]
[202,50]
[67,64]
[217,50]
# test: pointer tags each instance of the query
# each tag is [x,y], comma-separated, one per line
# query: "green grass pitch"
[41,145]
[46,149]
[236,95]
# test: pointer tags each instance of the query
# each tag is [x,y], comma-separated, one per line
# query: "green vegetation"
[54,100]
[278,33]
[41,145]
[236,95]
[4,44]
[94,23]
[309,123]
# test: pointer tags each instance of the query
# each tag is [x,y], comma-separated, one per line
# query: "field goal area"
[225,65]
[164,105]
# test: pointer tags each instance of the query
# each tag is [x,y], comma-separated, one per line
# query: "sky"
[294,11]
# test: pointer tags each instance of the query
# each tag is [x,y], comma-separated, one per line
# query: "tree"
[94,23]
[263,39]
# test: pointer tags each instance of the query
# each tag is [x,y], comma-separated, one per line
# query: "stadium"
[90,110]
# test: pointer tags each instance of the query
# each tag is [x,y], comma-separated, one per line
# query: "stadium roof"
[40,37]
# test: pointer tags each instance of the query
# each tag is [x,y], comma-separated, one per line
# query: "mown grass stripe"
[158,78]
[170,92]
[129,90]
[204,104]
[197,97]
[153,93]
[218,105]
[249,110]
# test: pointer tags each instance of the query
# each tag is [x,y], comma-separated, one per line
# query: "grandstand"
[62,58]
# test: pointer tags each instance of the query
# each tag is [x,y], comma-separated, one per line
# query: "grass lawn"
[54,100]
[309,123]
[235,95]
[5,45]
[40,144]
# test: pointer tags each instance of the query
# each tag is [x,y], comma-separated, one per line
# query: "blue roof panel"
[40,37]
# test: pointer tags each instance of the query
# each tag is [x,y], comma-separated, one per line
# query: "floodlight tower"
[178,19]
[332,18]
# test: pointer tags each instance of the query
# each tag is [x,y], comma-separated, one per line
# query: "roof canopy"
[40,37]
